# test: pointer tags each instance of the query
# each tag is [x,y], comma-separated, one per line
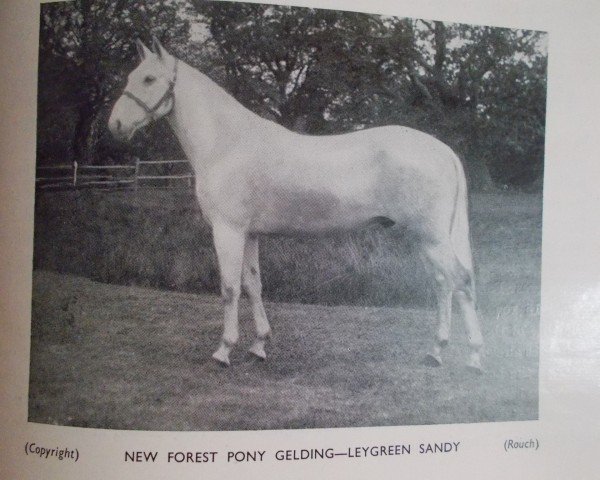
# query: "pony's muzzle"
[116,128]
[121,122]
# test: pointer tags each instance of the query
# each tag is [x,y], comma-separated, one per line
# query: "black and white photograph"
[263,217]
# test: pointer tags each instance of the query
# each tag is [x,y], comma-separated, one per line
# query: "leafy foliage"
[300,65]
[86,48]
[480,89]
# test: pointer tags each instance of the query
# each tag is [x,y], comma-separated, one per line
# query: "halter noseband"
[168,93]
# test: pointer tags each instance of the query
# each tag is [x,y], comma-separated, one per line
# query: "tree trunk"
[86,133]
[478,175]
[478,172]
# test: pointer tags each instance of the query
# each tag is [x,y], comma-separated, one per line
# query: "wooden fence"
[112,176]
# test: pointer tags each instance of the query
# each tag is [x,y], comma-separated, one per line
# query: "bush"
[158,239]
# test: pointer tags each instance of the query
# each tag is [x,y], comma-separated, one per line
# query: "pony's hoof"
[432,360]
[221,357]
[474,365]
[258,350]
[474,362]
[475,368]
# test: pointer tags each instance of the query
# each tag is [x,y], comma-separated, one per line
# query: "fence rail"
[112,176]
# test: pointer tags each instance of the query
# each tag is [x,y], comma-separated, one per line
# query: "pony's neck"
[205,118]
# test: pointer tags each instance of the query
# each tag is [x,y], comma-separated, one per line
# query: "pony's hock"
[253,176]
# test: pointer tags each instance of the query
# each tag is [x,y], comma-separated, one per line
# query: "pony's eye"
[149,80]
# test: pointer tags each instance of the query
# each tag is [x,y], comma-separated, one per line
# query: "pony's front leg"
[253,287]
[229,244]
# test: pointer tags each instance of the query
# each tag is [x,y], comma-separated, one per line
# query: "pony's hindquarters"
[451,258]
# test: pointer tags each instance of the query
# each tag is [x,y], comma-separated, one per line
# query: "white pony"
[253,176]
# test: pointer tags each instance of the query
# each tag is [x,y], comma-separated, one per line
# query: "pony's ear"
[158,48]
[143,50]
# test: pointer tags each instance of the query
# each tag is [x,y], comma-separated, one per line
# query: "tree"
[479,89]
[322,71]
[488,81]
[87,46]
[295,64]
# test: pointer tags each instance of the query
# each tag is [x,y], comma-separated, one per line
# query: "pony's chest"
[223,196]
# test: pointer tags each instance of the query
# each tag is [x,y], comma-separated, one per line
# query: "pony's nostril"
[119,125]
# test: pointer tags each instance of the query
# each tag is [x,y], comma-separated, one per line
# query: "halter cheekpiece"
[168,93]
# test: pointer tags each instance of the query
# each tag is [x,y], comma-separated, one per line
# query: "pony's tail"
[459,230]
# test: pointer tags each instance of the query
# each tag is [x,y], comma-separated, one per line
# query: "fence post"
[136,173]
[74,173]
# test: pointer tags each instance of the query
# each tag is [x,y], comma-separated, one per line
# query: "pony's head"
[148,95]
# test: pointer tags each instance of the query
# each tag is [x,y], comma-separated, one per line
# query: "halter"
[168,93]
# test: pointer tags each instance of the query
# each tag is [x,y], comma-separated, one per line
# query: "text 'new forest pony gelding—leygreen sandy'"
[253,176]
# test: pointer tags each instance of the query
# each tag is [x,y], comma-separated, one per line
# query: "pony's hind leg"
[443,296]
[253,288]
[453,278]
[229,244]
[466,301]
[464,291]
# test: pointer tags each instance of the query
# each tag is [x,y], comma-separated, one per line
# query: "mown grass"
[142,361]
[126,357]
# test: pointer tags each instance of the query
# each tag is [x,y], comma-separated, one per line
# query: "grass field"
[158,239]
[124,356]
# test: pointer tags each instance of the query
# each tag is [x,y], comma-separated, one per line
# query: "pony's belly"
[290,223]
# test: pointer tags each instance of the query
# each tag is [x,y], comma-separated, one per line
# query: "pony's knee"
[253,287]
[229,294]
[466,296]
[464,284]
